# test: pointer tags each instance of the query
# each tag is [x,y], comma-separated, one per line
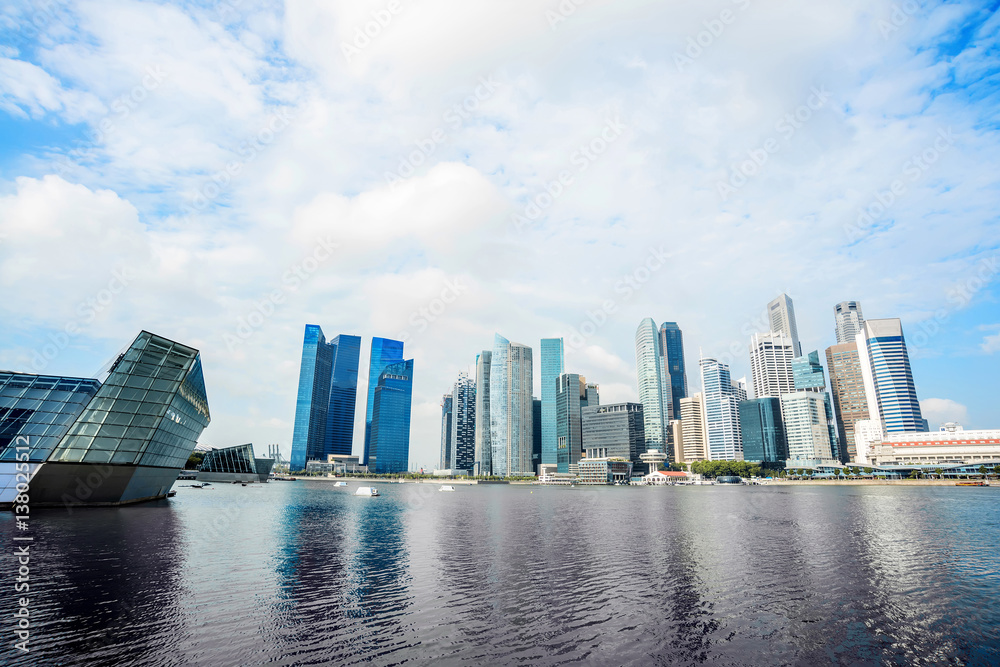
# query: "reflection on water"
[303,573]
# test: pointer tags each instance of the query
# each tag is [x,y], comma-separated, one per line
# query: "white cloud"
[940,410]
[991,342]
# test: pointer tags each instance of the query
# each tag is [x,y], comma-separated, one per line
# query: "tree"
[194,460]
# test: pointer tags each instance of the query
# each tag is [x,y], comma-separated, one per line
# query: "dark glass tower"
[343,395]
[672,347]
[385,351]
[763,430]
[390,427]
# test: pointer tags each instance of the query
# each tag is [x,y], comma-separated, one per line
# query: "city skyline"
[434,190]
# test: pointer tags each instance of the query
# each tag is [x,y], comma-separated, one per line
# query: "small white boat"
[446,487]
[340,483]
[366,491]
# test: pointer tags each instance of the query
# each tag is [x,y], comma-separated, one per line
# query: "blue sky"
[224,173]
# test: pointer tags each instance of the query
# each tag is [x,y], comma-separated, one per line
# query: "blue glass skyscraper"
[389,444]
[672,349]
[385,351]
[885,366]
[327,395]
[552,368]
[762,430]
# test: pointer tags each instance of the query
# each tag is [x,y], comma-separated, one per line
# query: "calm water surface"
[305,574]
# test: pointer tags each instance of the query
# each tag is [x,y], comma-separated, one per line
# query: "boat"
[970,484]
[171,494]
[366,491]
[446,487]
[340,483]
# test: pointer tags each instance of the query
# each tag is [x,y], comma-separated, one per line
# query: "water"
[301,573]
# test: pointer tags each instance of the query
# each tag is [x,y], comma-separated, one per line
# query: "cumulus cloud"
[940,410]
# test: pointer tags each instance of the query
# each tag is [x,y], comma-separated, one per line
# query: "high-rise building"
[808,374]
[654,391]
[572,395]
[511,408]
[672,351]
[613,431]
[463,424]
[552,368]
[693,427]
[763,430]
[536,439]
[771,357]
[782,315]
[849,321]
[885,367]
[327,395]
[677,441]
[722,414]
[850,405]
[447,415]
[390,428]
[483,449]
[385,351]
[806,428]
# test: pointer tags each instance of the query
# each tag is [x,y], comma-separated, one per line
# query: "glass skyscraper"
[808,375]
[885,366]
[385,351]
[482,464]
[511,408]
[763,431]
[672,351]
[572,395]
[327,395]
[654,391]
[552,368]
[447,415]
[722,415]
[463,423]
[389,444]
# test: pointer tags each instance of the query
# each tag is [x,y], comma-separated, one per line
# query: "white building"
[807,429]
[771,357]
[693,427]
[849,321]
[952,444]
[782,316]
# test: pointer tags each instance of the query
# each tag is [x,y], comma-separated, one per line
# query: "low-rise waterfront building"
[952,444]
[234,464]
[605,471]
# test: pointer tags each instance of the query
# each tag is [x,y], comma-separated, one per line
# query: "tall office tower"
[571,397]
[390,431]
[677,441]
[722,412]
[511,408]
[806,428]
[463,423]
[593,394]
[850,405]
[613,431]
[327,393]
[384,352]
[808,375]
[740,389]
[885,367]
[849,321]
[693,426]
[782,316]
[484,451]
[672,351]
[536,439]
[447,416]
[654,392]
[763,430]
[552,368]
[771,357]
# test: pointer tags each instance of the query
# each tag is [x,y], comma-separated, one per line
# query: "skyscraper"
[693,427]
[885,367]
[483,450]
[763,430]
[552,368]
[808,374]
[847,384]
[463,423]
[511,408]
[782,315]
[722,415]
[613,431]
[572,395]
[654,392]
[536,438]
[849,320]
[806,428]
[390,428]
[385,351]
[672,351]
[771,357]
[447,415]
[327,395]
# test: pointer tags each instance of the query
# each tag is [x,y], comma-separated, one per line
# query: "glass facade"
[763,431]
[463,423]
[552,368]
[499,383]
[672,349]
[447,415]
[722,415]
[40,408]
[390,428]
[888,364]
[614,431]
[654,392]
[326,399]
[482,464]
[238,459]
[385,351]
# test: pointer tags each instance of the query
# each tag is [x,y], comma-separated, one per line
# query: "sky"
[223,174]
